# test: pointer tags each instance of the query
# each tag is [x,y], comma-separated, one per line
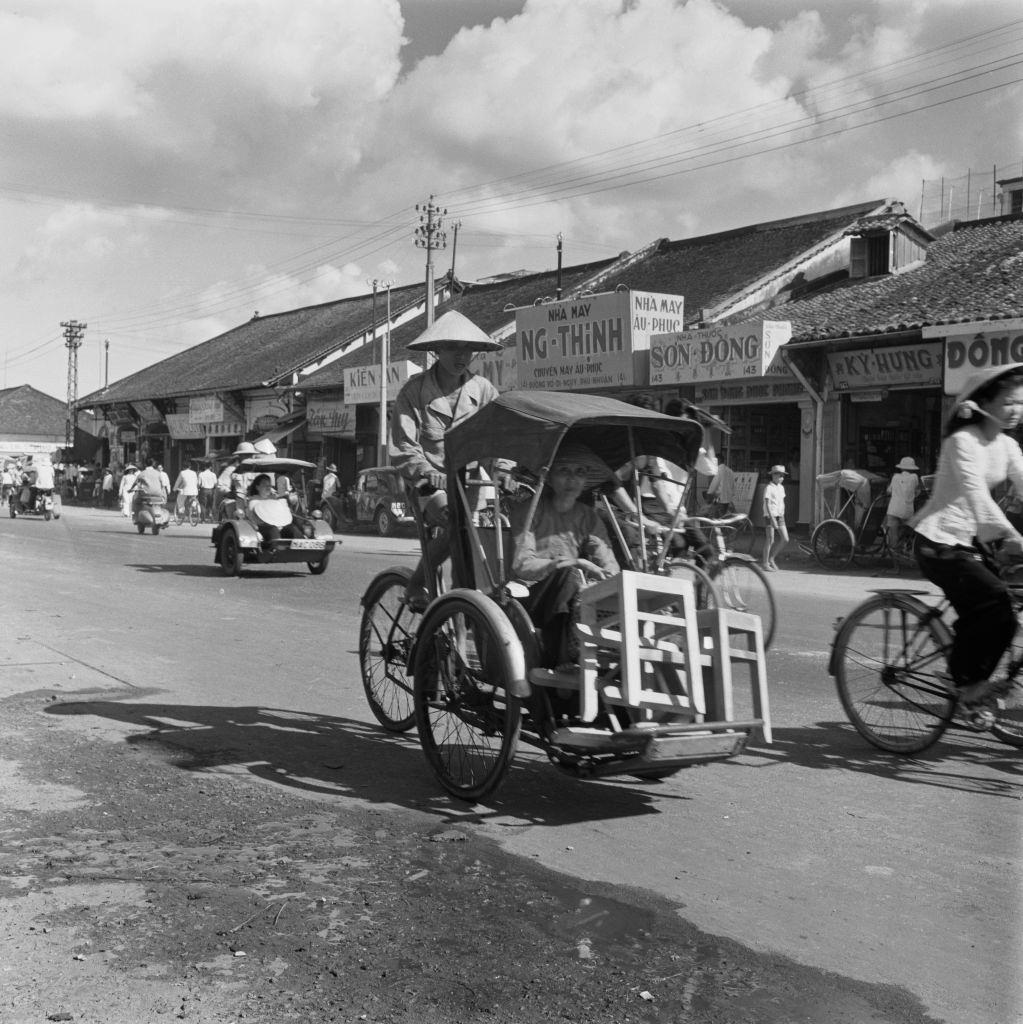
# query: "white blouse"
[961,507]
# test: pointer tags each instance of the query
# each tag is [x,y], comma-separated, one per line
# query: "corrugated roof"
[972,273]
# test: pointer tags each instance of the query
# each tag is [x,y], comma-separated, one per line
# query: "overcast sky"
[168,167]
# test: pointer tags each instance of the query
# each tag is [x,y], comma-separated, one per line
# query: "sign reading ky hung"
[719,353]
[589,341]
[886,367]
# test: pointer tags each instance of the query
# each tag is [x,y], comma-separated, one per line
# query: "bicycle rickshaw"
[653,690]
[853,528]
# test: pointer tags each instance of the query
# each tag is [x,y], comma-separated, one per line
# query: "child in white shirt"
[774,518]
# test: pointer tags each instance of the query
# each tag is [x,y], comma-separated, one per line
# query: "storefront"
[890,405]
[330,433]
[735,372]
[363,393]
[222,422]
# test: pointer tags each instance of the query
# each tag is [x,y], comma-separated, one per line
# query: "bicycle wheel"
[194,515]
[387,634]
[467,720]
[833,544]
[741,538]
[707,595]
[741,584]
[889,664]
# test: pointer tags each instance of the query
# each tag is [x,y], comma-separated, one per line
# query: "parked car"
[377,498]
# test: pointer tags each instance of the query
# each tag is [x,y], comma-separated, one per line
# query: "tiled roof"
[974,272]
[254,351]
[27,412]
[705,270]
[484,304]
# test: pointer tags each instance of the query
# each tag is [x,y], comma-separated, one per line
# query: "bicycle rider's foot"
[767,567]
[975,693]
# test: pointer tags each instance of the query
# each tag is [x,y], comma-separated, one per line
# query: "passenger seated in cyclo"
[662,485]
[563,548]
[269,512]
[427,405]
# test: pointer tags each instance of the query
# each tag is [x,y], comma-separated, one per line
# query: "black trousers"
[551,605]
[986,623]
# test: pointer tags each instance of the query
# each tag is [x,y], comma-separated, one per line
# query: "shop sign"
[362,383]
[872,368]
[262,413]
[127,436]
[206,409]
[181,428]
[121,412]
[500,368]
[330,416]
[229,428]
[721,352]
[976,346]
[763,390]
[589,341]
[29,447]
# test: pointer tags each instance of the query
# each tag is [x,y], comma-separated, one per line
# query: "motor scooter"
[149,512]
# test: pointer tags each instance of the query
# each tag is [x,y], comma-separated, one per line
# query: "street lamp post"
[385,355]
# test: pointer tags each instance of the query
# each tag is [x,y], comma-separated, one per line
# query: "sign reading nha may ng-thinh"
[589,341]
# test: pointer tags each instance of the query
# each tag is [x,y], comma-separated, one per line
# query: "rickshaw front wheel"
[387,634]
[833,544]
[467,657]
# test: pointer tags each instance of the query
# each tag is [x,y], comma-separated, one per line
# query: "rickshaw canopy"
[526,427]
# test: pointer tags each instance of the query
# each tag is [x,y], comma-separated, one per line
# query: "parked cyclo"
[652,692]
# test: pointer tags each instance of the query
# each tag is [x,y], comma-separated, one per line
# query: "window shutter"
[857,257]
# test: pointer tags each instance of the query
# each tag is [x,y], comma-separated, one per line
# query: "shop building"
[882,359]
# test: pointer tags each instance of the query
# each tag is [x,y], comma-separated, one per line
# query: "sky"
[170,167]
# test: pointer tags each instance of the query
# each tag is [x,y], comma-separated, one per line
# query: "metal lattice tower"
[73,331]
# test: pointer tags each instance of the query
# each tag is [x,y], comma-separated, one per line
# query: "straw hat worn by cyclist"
[426,407]
[976,455]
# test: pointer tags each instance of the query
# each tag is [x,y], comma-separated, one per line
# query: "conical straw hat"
[453,326]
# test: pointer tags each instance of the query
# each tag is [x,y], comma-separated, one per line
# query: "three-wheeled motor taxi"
[653,690]
[238,540]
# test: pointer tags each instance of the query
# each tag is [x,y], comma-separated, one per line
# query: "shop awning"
[283,428]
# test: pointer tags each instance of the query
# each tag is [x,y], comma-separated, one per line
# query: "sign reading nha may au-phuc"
[589,341]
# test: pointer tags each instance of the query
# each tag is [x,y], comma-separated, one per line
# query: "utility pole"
[106,362]
[429,236]
[454,248]
[73,331]
[557,294]
[385,356]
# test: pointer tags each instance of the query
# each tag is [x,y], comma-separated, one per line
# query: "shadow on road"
[329,756]
[214,570]
[961,760]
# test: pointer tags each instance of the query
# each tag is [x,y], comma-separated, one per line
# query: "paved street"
[817,849]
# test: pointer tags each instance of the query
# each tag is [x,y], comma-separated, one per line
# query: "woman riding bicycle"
[976,455]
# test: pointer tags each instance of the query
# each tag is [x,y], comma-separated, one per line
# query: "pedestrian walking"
[777,535]
[904,489]
[131,472]
[107,487]
[207,489]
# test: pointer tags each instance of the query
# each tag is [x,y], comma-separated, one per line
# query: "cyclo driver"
[427,405]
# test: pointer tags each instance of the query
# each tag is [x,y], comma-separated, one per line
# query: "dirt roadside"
[140,884]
